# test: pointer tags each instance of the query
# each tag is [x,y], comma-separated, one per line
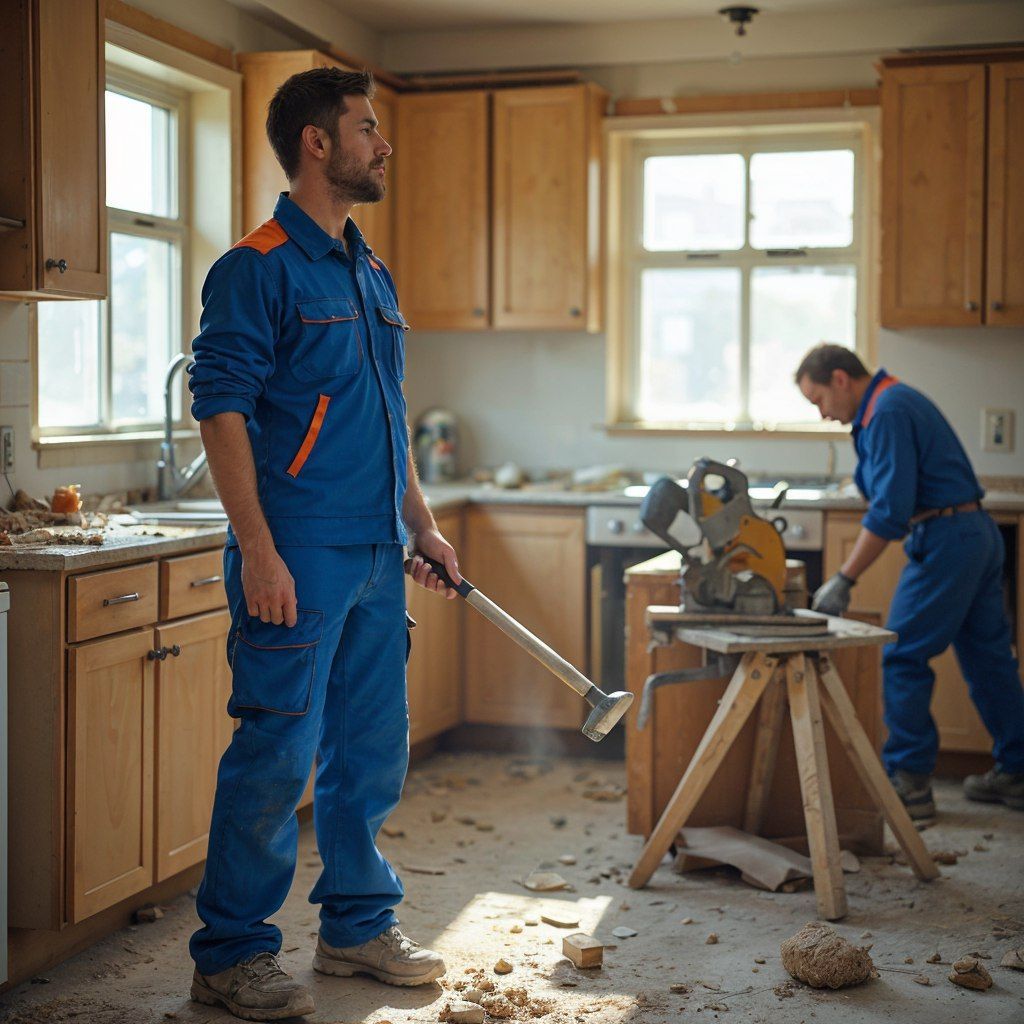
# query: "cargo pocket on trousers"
[410,625]
[273,666]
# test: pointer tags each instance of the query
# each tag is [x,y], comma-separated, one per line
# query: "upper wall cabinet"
[52,182]
[948,129]
[263,178]
[498,208]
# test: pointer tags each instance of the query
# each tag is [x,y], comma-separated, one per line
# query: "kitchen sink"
[192,511]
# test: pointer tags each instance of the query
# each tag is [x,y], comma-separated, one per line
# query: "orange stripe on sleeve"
[266,237]
[311,435]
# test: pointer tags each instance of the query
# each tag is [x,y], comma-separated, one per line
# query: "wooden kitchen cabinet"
[945,189]
[960,727]
[546,248]
[442,210]
[192,730]
[53,241]
[531,562]
[262,176]
[434,674]
[110,772]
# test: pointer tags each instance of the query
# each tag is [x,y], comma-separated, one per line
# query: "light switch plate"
[997,429]
[6,450]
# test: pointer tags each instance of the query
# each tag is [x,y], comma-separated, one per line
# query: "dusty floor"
[512,825]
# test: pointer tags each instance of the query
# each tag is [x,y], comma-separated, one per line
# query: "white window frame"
[174,229]
[630,142]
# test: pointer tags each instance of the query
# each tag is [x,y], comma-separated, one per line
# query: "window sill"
[67,450]
[783,432]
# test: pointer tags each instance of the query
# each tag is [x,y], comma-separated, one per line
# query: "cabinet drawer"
[191,584]
[110,601]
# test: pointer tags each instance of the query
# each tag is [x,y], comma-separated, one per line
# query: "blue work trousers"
[332,688]
[951,592]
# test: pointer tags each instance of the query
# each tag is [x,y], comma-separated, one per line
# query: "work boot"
[996,787]
[916,793]
[390,957]
[255,989]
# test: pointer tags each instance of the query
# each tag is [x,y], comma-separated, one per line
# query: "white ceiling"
[414,15]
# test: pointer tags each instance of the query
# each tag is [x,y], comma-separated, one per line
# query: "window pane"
[69,363]
[801,200]
[690,350]
[142,322]
[791,309]
[138,156]
[694,202]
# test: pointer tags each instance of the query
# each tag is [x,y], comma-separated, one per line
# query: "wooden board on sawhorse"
[772,673]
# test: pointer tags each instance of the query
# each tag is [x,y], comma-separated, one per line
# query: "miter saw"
[739,565]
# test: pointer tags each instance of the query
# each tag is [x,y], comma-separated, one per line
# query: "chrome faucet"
[172,482]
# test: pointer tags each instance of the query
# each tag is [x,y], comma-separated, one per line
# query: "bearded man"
[297,385]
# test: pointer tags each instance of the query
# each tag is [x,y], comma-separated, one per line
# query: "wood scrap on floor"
[583,950]
[970,972]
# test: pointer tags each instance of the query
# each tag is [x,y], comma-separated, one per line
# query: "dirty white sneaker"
[391,957]
[255,989]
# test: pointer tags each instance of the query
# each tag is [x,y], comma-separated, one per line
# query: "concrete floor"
[141,975]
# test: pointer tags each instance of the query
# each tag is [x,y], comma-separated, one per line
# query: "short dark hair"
[823,359]
[314,97]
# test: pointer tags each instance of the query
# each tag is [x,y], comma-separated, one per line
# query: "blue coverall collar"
[308,235]
[865,401]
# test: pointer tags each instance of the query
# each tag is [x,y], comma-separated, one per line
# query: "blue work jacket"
[308,344]
[909,457]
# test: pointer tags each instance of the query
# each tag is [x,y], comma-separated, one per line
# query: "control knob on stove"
[615,526]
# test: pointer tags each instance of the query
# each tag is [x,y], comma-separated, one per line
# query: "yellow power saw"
[739,566]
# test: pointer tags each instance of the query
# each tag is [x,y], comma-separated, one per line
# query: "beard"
[354,182]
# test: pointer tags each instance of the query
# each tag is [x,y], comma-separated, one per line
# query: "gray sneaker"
[996,787]
[916,793]
[255,989]
[390,957]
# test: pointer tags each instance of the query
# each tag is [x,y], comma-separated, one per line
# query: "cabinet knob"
[175,649]
[158,655]
[60,265]
[478,311]
[997,307]
[575,311]
[971,307]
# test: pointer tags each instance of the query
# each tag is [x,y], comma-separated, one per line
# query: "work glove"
[833,596]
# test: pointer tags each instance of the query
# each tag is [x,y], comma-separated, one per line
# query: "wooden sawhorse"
[774,671]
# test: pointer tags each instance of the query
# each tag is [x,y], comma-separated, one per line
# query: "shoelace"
[398,942]
[262,967]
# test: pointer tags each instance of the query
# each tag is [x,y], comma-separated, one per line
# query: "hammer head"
[606,713]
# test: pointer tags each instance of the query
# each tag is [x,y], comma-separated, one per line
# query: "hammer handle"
[550,659]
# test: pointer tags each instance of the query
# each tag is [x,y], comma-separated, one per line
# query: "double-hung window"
[738,252]
[101,364]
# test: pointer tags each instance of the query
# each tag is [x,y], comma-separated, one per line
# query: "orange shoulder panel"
[266,237]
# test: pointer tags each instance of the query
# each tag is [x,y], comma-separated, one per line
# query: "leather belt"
[951,510]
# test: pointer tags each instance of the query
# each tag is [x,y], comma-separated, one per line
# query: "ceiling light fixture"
[740,16]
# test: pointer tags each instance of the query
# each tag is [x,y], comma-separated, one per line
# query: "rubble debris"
[147,914]
[944,856]
[529,769]
[680,988]
[606,794]
[935,958]
[583,950]
[459,1010]
[819,956]
[687,920]
[465,819]
[544,881]
[784,990]
[624,932]
[568,859]
[558,821]
[474,995]
[921,979]
[561,919]
[484,826]
[712,939]
[969,972]
[980,848]
[1014,958]
[392,832]
[503,967]
[759,960]
[516,928]
[531,922]
[438,816]
[849,861]
[718,1007]
[422,869]
[908,959]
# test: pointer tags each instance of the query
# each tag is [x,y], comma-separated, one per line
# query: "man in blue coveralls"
[297,384]
[917,480]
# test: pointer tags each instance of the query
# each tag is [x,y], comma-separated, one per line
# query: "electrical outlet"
[6,450]
[997,430]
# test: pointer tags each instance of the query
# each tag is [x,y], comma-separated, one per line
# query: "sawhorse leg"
[742,694]
[771,716]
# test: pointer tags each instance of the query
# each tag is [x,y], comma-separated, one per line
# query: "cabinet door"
[434,675]
[192,731]
[70,155]
[933,184]
[441,210]
[532,564]
[110,772]
[545,250]
[957,719]
[1004,271]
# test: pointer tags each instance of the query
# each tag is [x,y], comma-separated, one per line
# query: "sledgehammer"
[608,707]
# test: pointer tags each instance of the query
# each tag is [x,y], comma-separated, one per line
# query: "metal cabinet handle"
[123,599]
[997,307]
[60,265]
[971,307]
[205,582]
